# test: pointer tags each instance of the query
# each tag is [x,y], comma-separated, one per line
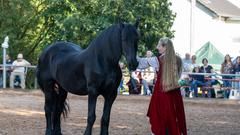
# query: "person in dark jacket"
[197,80]
[236,70]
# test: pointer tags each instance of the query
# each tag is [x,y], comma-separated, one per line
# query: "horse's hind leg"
[54,106]
[61,107]
[48,107]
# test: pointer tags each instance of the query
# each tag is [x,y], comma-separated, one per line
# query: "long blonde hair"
[171,67]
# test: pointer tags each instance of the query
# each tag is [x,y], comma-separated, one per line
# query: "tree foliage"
[33,24]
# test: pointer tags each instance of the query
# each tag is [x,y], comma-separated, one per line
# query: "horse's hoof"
[87,133]
[48,132]
[104,133]
[58,132]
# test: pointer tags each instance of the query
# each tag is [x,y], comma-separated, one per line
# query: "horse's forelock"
[129,47]
[121,25]
[129,31]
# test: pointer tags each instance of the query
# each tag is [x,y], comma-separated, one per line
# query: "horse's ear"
[121,25]
[120,22]
[137,22]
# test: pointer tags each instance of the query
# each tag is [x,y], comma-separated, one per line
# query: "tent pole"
[192,26]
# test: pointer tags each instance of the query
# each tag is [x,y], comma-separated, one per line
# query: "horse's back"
[53,53]
[60,47]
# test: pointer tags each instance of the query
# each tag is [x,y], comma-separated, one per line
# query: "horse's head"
[130,39]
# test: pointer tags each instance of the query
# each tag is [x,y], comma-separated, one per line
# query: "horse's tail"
[59,93]
[66,109]
[61,96]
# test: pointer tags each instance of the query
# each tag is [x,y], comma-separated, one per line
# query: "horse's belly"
[76,88]
[79,92]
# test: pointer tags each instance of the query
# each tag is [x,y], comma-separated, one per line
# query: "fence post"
[35,83]
[4,46]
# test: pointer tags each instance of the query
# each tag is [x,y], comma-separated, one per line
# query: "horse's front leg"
[92,99]
[109,99]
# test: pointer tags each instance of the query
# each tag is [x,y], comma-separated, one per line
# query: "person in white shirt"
[136,78]
[148,75]
[193,63]
[147,62]
[187,63]
[19,70]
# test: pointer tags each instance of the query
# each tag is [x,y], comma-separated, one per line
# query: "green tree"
[34,24]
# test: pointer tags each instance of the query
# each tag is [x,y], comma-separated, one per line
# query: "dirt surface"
[21,113]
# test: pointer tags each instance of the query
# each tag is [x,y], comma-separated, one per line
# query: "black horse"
[64,67]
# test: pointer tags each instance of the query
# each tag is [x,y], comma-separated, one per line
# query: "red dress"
[166,111]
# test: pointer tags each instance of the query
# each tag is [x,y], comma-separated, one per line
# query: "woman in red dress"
[166,111]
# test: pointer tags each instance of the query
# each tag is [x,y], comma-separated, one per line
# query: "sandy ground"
[21,113]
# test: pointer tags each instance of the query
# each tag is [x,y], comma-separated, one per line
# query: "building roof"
[229,10]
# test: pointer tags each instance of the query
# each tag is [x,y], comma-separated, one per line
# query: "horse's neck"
[107,48]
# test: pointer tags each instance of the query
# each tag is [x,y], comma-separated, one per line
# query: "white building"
[217,21]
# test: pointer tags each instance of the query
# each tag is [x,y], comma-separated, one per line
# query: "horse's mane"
[114,33]
[111,32]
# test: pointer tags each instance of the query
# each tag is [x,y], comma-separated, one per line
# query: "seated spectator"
[236,70]
[120,87]
[149,79]
[193,62]
[184,79]
[134,83]
[227,68]
[148,76]
[1,78]
[196,81]
[19,71]
[8,61]
[208,69]
[8,70]
[186,63]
